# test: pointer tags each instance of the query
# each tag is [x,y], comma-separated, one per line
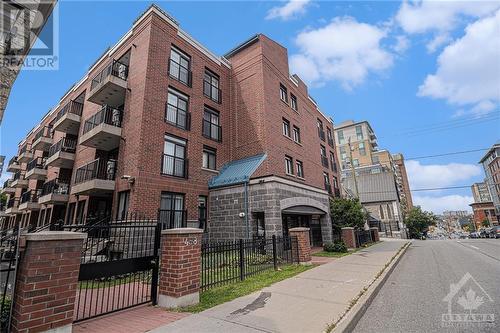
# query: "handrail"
[96,169]
[107,115]
[66,144]
[115,68]
[70,107]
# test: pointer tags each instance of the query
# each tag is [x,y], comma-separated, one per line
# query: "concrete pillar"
[348,237]
[375,235]
[47,281]
[303,244]
[180,268]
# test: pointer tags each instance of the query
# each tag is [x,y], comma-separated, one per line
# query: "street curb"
[352,317]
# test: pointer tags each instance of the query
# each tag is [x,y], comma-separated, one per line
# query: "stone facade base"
[170,302]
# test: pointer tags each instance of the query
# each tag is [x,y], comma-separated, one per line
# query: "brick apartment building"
[161,125]
[491,165]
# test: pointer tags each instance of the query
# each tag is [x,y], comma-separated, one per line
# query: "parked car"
[483,233]
[495,232]
[474,234]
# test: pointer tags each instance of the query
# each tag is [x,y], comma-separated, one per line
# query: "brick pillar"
[375,235]
[180,268]
[46,282]
[348,237]
[303,244]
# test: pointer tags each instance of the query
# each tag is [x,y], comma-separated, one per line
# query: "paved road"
[412,298]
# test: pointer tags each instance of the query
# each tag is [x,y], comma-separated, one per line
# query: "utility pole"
[352,168]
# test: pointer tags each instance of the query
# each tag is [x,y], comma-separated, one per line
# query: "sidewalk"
[308,302]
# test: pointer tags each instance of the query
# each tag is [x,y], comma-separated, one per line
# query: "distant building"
[483,211]
[480,192]
[2,160]
[402,180]
[491,166]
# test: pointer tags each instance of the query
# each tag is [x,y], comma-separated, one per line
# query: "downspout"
[246,209]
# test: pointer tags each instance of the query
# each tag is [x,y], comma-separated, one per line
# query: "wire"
[447,154]
[422,189]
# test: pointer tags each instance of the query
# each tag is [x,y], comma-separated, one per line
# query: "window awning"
[303,210]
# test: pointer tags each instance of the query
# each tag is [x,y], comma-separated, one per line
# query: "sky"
[425,74]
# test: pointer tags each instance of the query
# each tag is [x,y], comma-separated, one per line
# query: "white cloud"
[441,203]
[291,9]
[344,50]
[439,175]
[440,17]
[468,70]
[438,41]
[402,44]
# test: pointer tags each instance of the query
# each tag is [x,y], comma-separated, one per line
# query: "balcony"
[25,154]
[12,206]
[36,169]
[103,130]
[110,85]
[96,177]
[7,187]
[43,139]
[54,191]
[13,165]
[29,200]
[324,161]
[19,181]
[62,153]
[68,118]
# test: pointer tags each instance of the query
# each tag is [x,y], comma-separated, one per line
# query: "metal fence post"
[275,255]
[155,271]
[242,261]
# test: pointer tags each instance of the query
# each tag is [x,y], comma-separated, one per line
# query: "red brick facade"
[46,282]
[483,211]
[303,244]
[348,237]
[250,112]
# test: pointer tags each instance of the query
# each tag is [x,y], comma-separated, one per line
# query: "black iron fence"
[230,261]
[70,107]
[114,68]
[107,115]
[9,253]
[37,162]
[363,237]
[66,144]
[31,196]
[97,169]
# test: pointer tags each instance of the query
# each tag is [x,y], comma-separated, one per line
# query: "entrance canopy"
[304,210]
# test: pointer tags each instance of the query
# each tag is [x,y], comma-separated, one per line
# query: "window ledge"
[301,178]
[210,170]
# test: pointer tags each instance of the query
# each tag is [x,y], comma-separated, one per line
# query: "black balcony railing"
[115,68]
[334,166]
[180,73]
[174,166]
[321,134]
[212,131]
[324,161]
[107,115]
[17,176]
[13,161]
[55,186]
[70,107]
[66,144]
[336,192]
[25,148]
[31,196]
[170,218]
[13,202]
[328,188]
[330,141]
[7,183]
[97,169]
[37,162]
[43,132]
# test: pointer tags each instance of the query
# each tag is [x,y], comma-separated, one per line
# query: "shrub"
[329,247]
[337,246]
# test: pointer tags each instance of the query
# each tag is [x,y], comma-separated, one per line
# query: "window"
[362,150]
[389,212]
[293,102]
[296,134]
[172,213]
[289,165]
[211,128]
[176,112]
[333,163]
[179,66]
[300,169]
[283,93]
[123,198]
[211,86]
[174,157]
[202,211]
[343,154]
[375,159]
[286,127]
[329,136]
[323,151]
[355,162]
[359,132]
[381,212]
[321,132]
[335,182]
[209,158]
[340,137]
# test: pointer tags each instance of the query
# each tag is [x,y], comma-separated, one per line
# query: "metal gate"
[119,267]
[9,254]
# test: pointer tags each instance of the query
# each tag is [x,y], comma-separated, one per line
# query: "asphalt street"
[414,297]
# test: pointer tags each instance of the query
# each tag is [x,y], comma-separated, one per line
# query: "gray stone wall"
[269,197]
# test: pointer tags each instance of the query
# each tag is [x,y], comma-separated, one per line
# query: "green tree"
[347,213]
[485,223]
[3,199]
[418,222]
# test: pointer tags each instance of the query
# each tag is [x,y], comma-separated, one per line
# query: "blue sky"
[426,75]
